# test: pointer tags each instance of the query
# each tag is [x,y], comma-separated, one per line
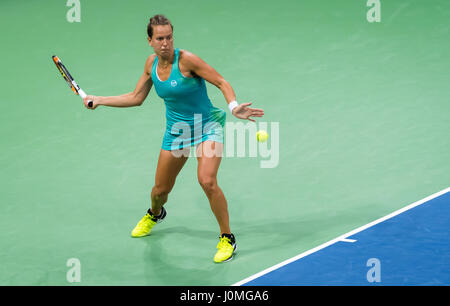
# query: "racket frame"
[69,79]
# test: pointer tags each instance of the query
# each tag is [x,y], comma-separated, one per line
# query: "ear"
[149,40]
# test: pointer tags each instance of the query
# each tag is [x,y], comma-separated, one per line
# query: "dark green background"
[363,110]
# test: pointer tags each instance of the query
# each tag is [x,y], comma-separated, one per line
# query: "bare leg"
[166,172]
[208,166]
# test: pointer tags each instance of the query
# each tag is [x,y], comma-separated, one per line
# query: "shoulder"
[150,60]
[189,59]
[149,63]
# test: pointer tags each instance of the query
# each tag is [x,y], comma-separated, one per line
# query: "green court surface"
[363,111]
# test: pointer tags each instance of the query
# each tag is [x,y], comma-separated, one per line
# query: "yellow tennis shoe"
[145,225]
[226,248]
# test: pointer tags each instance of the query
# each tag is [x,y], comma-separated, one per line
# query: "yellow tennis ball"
[262,136]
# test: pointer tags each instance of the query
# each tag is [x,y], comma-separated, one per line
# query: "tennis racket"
[69,79]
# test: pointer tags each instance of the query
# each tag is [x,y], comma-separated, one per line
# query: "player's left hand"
[244,112]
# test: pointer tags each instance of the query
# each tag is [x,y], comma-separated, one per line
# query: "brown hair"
[157,20]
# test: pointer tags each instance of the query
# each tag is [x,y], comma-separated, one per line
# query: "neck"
[165,61]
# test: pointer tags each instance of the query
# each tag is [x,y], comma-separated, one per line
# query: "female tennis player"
[179,78]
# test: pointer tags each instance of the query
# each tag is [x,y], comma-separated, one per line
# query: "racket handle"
[83,95]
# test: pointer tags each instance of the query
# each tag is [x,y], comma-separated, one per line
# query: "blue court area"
[411,248]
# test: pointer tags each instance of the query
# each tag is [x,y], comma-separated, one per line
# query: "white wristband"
[232,105]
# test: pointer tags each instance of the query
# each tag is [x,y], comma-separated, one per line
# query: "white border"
[342,237]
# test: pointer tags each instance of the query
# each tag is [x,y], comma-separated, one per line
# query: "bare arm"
[134,98]
[202,69]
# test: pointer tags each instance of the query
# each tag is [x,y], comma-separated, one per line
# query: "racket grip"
[83,95]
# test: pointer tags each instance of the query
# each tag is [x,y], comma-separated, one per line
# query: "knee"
[209,184]
[160,190]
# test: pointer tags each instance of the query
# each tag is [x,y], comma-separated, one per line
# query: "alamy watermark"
[374,13]
[73,275]
[74,13]
[240,140]
[374,273]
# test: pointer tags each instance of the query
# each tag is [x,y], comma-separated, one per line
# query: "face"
[162,40]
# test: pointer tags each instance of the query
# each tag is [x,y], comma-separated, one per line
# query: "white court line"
[342,237]
[348,240]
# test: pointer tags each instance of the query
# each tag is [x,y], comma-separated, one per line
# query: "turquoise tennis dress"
[190,116]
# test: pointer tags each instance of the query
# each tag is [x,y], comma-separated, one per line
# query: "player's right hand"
[94,100]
